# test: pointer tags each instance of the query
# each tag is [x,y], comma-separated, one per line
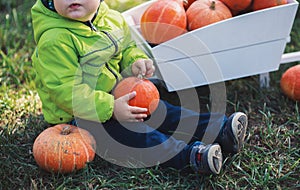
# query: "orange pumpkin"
[262,4]
[64,148]
[290,82]
[147,95]
[237,5]
[205,12]
[163,20]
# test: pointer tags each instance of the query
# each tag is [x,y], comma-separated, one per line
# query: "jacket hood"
[44,19]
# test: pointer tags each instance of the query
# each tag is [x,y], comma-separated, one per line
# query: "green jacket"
[78,64]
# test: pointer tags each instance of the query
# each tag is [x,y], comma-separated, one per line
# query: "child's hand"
[124,112]
[144,67]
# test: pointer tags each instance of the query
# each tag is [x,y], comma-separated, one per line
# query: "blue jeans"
[166,138]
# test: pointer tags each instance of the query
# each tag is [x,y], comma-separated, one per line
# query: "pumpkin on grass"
[64,148]
[205,12]
[290,82]
[147,95]
[163,20]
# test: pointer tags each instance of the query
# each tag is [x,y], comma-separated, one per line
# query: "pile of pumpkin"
[166,19]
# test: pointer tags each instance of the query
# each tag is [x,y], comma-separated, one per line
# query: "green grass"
[270,159]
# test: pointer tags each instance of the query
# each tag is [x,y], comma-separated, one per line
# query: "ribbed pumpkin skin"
[147,95]
[290,82]
[64,153]
[263,4]
[237,5]
[204,12]
[163,20]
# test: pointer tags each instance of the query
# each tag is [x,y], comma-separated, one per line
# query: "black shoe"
[206,159]
[232,135]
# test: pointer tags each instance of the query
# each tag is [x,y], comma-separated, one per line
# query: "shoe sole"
[215,158]
[239,126]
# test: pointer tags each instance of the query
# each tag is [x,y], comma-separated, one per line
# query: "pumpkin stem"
[213,5]
[66,130]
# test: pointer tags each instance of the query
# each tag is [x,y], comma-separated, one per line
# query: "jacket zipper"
[113,41]
[115,75]
[90,24]
[116,50]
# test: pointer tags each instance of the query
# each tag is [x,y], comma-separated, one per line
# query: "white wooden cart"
[245,45]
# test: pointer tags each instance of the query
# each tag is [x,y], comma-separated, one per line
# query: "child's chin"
[79,17]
